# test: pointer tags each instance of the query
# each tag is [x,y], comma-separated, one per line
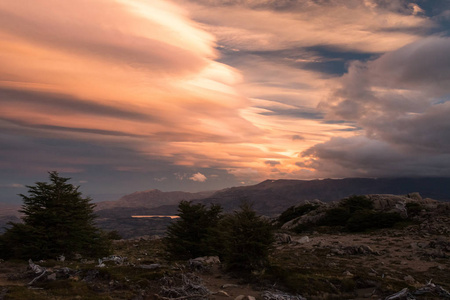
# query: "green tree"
[191,235]
[57,220]
[246,239]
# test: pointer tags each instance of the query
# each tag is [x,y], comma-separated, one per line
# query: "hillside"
[271,197]
[151,199]
[410,261]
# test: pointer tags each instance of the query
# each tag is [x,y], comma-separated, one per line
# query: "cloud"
[158,89]
[199,177]
[131,74]
[401,103]
[272,163]
[401,97]
[160,179]
[12,185]
[363,26]
[364,157]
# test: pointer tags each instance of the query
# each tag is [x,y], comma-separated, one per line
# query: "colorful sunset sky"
[196,95]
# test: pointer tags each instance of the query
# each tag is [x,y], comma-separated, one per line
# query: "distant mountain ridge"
[151,199]
[270,197]
[274,196]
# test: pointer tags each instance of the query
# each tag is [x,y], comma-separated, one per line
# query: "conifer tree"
[190,235]
[247,240]
[57,220]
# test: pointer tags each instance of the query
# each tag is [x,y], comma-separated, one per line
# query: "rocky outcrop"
[397,203]
[381,202]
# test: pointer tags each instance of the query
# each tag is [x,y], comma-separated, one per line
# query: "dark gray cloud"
[297,137]
[400,101]
[363,157]
[272,163]
[299,112]
[104,170]
[58,104]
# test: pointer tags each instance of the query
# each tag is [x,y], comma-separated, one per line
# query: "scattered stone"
[100,264]
[51,277]
[150,267]
[222,293]
[277,295]
[409,279]
[283,238]
[403,294]
[303,240]
[229,285]
[35,268]
[347,273]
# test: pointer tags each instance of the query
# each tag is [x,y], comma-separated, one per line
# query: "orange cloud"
[133,68]
[143,75]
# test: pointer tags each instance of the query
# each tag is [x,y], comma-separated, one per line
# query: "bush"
[295,212]
[247,240]
[366,219]
[413,208]
[193,234]
[355,203]
[337,216]
[57,220]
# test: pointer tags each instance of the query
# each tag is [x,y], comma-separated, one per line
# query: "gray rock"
[51,277]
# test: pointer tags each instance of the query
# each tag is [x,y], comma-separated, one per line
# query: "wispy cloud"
[238,90]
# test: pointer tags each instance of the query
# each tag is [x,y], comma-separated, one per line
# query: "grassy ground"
[315,270]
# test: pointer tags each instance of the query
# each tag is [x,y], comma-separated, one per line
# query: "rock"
[206,260]
[347,273]
[150,267]
[409,279]
[36,268]
[100,264]
[51,277]
[251,298]
[277,295]
[283,238]
[240,297]
[229,285]
[303,240]
[403,294]
[200,263]
[223,293]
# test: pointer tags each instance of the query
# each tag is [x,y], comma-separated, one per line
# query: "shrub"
[413,208]
[247,240]
[192,235]
[355,203]
[366,219]
[295,212]
[337,216]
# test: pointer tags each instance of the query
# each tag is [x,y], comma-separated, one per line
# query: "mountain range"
[271,197]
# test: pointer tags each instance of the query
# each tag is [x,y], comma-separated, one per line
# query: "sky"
[197,95]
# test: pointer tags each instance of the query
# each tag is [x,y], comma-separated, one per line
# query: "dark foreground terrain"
[407,261]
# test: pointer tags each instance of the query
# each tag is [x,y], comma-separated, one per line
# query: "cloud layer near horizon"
[223,91]
[402,100]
